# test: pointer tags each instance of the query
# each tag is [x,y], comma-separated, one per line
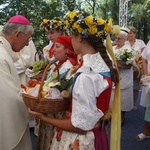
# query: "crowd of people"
[100,82]
[131,76]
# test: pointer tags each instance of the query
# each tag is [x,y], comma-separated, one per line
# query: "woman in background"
[137,45]
[126,74]
[65,58]
[53,28]
[145,102]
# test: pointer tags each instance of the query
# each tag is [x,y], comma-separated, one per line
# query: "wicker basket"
[40,74]
[44,105]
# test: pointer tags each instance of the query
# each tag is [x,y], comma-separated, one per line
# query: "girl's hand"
[34,113]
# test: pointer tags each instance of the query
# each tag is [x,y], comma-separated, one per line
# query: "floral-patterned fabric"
[74,141]
[46,133]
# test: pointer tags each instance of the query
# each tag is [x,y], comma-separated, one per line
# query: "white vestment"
[14,117]
[25,60]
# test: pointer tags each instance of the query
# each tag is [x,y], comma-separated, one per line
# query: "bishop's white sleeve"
[85,113]
[26,55]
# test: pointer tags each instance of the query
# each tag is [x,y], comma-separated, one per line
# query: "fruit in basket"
[43,93]
[24,87]
[33,82]
[27,89]
[64,94]
[38,65]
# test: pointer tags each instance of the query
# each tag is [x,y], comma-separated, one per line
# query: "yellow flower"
[108,25]
[59,23]
[89,21]
[77,27]
[45,21]
[71,15]
[92,30]
[107,28]
[66,23]
[100,21]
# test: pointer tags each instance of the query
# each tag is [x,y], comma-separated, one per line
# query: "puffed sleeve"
[85,113]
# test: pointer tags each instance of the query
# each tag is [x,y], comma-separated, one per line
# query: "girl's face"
[131,35]
[53,34]
[59,51]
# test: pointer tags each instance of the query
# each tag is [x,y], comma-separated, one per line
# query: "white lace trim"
[83,117]
[94,62]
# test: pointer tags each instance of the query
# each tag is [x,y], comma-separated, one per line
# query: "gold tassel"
[115,133]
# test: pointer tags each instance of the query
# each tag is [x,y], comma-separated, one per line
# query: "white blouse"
[88,86]
[137,46]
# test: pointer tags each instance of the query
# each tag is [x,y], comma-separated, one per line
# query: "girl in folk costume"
[65,60]
[83,126]
[53,28]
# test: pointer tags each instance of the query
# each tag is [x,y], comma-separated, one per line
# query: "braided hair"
[99,47]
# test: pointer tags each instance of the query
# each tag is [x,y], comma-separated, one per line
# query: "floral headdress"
[52,25]
[87,25]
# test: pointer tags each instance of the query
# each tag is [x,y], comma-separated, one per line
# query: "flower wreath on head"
[52,25]
[87,25]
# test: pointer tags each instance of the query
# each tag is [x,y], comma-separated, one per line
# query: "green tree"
[147,8]
[110,8]
[35,11]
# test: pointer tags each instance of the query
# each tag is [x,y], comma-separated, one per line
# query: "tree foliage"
[147,8]
[138,18]
[37,10]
